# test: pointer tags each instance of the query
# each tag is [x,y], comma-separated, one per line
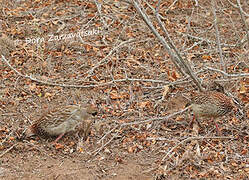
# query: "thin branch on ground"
[208,41]
[109,132]
[226,74]
[127,79]
[78,86]
[8,150]
[169,8]
[194,138]
[238,8]
[159,119]
[105,59]
[104,145]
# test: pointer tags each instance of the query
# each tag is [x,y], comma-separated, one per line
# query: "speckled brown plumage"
[61,120]
[211,104]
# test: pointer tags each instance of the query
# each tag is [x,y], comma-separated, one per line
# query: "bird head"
[92,110]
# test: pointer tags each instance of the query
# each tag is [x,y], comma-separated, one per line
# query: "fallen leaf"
[242,89]
[59,146]
[206,57]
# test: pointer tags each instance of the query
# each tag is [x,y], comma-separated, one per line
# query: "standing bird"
[62,120]
[211,104]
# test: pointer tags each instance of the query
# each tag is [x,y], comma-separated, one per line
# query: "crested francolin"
[62,120]
[211,104]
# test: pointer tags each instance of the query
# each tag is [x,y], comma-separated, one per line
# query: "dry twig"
[193,138]
[176,59]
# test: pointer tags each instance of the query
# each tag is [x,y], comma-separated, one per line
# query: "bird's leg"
[217,128]
[59,137]
[87,130]
[194,119]
[191,122]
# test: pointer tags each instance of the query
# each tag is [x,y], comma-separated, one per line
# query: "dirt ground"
[141,131]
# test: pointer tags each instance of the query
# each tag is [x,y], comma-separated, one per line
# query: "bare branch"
[157,118]
[105,60]
[208,41]
[175,59]
[218,35]
[8,150]
[238,7]
[243,20]
[226,74]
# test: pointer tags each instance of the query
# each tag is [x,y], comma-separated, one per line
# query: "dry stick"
[166,11]
[103,146]
[8,150]
[153,9]
[133,123]
[238,7]
[160,119]
[194,138]
[50,83]
[206,40]
[107,134]
[104,60]
[77,86]
[180,81]
[162,40]
[175,59]
[218,36]
[171,43]
[226,74]
[244,21]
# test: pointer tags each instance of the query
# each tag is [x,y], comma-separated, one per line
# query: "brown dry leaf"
[206,57]
[59,146]
[242,89]
[32,87]
[71,144]
[88,47]
[244,151]
[4,129]
[179,118]
[80,149]
[132,149]
[124,95]
[11,138]
[114,95]
[144,104]
[95,49]
[174,76]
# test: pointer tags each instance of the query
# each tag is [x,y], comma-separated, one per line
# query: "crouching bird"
[62,120]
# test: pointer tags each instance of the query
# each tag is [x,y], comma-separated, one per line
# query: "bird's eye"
[94,113]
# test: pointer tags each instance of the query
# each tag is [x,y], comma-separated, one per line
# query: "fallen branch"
[80,86]
[226,74]
[104,145]
[194,138]
[159,119]
[181,65]
[7,150]
[104,60]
